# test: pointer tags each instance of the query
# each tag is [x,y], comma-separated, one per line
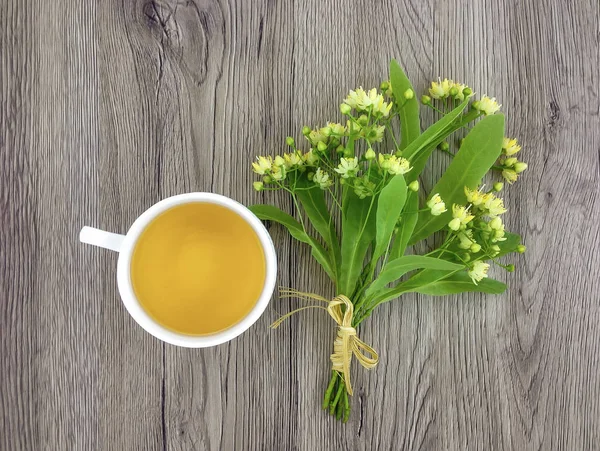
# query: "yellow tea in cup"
[198,268]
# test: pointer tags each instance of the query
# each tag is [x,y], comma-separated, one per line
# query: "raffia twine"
[347,343]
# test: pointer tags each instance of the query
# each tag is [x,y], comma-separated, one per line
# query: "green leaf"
[358,231]
[420,149]
[394,270]
[313,202]
[462,283]
[480,149]
[389,206]
[408,109]
[271,213]
[421,279]
[407,225]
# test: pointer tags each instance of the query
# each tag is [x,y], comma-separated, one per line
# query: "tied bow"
[347,342]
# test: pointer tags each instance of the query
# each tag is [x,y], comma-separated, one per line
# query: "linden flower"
[321,178]
[460,95]
[348,167]
[509,175]
[293,160]
[510,146]
[316,136]
[376,102]
[355,98]
[310,158]
[475,197]
[278,172]
[263,165]
[494,206]
[376,134]
[487,105]
[398,166]
[436,205]
[441,89]
[461,217]
[336,129]
[279,161]
[478,271]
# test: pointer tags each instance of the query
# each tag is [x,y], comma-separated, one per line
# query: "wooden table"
[107,107]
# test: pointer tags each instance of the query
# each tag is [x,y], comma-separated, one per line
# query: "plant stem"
[346,407]
[327,397]
[340,389]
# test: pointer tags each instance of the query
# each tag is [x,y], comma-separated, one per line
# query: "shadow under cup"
[198,268]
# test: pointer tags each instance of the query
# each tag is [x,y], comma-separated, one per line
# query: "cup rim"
[161,332]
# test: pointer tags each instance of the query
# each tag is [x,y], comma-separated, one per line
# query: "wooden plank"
[107,108]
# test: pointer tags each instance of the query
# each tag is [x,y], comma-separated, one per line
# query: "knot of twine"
[346,342]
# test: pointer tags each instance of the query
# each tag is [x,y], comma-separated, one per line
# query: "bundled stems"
[336,397]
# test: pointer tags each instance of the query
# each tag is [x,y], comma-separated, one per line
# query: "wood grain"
[108,107]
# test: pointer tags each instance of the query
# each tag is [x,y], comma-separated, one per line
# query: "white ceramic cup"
[125,244]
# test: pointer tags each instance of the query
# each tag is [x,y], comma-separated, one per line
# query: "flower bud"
[363,120]
[510,268]
[475,105]
[465,256]
[475,248]
[409,94]
[310,175]
[453,91]
[306,130]
[498,186]
[467,91]
[326,131]
[521,248]
[398,153]
[496,223]
[370,154]
[340,149]
[345,109]
[267,179]
[444,145]
[509,162]
[290,141]
[454,224]
[348,153]
[342,181]
[414,186]
[384,86]
[426,100]
[322,147]
[520,167]
[258,186]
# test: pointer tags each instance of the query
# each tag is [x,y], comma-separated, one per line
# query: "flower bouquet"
[360,208]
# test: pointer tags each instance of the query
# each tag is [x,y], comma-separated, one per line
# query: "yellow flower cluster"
[436,205]
[487,105]
[448,88]
[276,169]
[487,203]
[366,102]
[512,167]
[394,165]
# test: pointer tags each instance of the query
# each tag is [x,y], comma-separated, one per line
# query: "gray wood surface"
[107,107]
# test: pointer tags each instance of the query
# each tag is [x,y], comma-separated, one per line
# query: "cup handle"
[100,238]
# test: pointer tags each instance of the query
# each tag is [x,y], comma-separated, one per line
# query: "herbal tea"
[198,268]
